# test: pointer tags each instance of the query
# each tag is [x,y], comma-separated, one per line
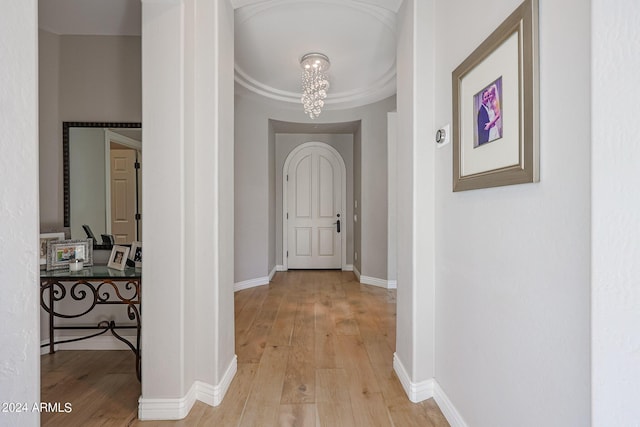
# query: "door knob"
[337,223]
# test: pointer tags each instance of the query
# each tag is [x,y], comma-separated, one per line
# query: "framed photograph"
[496,108]
[118,257]
[135,254]
[61,252]
[44,240]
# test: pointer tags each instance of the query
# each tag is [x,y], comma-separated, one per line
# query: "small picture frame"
[135,255]
[61,252]
[118,257]
[44,240]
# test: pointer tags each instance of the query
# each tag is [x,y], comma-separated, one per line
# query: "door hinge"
[138,216]
[287,254]
[287,215]
[287,177]
[136,165]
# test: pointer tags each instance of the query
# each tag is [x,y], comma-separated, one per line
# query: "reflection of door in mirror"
[123,194]
[123,207]
[103,189]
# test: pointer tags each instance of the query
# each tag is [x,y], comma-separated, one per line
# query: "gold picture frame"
[496,107]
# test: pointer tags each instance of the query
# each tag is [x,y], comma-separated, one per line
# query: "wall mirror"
[102,181]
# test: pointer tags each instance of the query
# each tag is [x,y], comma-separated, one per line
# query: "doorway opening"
[314,204]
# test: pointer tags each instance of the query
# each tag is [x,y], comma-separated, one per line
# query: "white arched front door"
[314,194]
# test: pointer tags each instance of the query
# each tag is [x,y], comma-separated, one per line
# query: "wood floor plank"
[262,415]
[369,410]
[362,377]
[434,413]
[282,328]
[378,351]
[325,351]
[315,348]
[229,412]
[324,320]
[251,344]
[304,326]
[269,379]
[332,386]
[331,414]
[297,415]
[300,376]
[406,413]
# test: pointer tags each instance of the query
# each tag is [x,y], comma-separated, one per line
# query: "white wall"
[82,78]
[214,196]
[615,221]
[50,130]
[273,188]
[357,199]
[392,210]
[19,256]
[414,356]
[188,339]
[163,304]
[252,190]
[513,263]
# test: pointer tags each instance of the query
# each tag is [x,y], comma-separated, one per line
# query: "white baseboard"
[280,267]
[381,283]
[416,392]
[213,395]
[273,272]
[251,283]
[448,410]
[167,409]
[347,267]
[177,409]
[101,342]
[356,272]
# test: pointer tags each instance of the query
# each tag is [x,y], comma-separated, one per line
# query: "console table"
[87,289]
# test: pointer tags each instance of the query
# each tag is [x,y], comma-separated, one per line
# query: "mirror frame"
[65,159]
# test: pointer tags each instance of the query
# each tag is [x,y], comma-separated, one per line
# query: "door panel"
[303,241]
[302,184]
[325,239]
[123,195]
[326,200]
[314,198]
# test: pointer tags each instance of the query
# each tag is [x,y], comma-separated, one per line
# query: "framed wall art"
[495,107]
[61,252]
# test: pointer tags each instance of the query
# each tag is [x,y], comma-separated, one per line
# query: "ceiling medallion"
[315,82]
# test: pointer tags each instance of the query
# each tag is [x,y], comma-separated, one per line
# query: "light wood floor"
[315,348]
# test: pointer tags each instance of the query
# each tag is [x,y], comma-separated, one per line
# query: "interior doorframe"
[343,201]
[128,142]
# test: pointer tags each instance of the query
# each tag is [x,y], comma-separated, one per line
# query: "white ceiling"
[358,36]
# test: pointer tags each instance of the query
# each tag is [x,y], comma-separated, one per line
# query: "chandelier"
[315,83]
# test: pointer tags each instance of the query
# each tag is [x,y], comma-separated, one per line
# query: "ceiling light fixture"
[315,82]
